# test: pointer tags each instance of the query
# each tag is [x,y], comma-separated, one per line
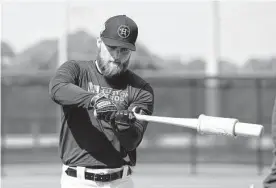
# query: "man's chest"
[118,96]
[95,83]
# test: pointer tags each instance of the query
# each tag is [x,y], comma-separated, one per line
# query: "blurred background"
[201,57]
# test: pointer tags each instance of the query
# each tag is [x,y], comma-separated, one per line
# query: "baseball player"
[270,180]
[99,133]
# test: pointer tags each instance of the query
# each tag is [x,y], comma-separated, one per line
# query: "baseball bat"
[209,124]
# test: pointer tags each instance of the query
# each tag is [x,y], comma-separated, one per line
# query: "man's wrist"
[95,98]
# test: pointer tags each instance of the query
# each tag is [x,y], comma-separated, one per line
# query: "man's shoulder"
[81,64]
[135,80]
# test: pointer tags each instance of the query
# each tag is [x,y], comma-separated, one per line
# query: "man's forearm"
[70,94]
[131,138]
[63,87]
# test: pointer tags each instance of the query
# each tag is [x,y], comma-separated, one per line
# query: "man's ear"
[99,41]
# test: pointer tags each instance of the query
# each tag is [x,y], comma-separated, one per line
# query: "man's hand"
[122,120]
[104,108]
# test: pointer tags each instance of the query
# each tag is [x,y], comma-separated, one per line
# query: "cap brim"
[113,42]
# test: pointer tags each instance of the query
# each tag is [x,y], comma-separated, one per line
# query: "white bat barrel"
[228,126]
[210,124]
[248,129]
[216,125]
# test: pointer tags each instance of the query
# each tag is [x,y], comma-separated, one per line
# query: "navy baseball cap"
[120,31]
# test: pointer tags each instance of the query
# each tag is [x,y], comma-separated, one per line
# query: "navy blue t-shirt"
[85,140]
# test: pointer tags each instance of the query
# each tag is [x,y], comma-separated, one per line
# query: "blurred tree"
[6,50]
[174,63]
[227,67]
[142,58]
[7,54]
[260,65]
[42,55]
[196,65]
[273,63]
[81,46]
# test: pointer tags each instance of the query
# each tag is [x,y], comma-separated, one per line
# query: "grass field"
[145,176]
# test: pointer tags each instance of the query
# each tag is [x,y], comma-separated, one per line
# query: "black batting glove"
[104,108]
[122,120]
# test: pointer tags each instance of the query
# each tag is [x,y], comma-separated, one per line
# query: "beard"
[112,69]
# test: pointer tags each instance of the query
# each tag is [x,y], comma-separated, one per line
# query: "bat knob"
[135,110]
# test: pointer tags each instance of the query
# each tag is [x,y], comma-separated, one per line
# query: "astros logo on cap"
[123,31]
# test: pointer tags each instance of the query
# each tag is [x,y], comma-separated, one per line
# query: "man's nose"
[116,53]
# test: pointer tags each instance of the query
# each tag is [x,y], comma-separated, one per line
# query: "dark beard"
[115,71]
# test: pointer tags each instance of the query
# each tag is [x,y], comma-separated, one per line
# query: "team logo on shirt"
[115,95]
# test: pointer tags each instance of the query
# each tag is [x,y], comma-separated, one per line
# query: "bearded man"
[99,133]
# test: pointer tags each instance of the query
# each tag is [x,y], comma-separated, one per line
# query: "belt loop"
[64,167]
[81,172]
[125,170]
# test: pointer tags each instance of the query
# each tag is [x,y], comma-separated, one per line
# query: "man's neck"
[113,78]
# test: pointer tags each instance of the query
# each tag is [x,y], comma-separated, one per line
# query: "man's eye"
[111,47]
[124,49]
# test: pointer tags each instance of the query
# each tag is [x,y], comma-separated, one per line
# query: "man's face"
[112,60]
